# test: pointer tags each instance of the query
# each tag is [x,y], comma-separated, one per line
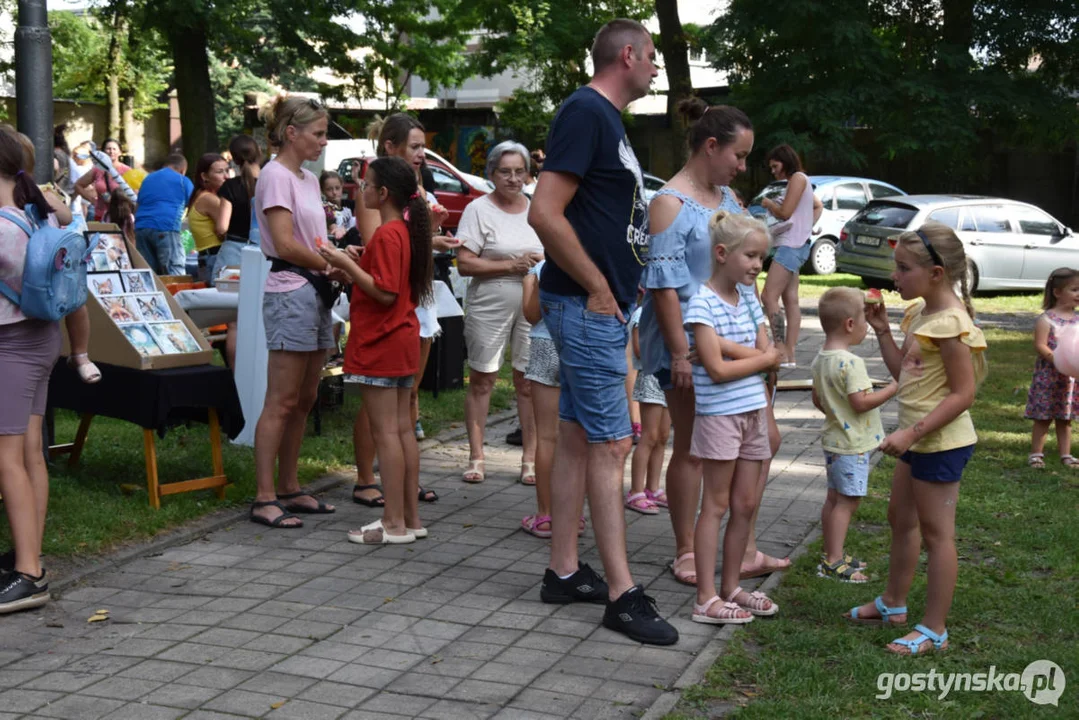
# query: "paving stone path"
[249,622]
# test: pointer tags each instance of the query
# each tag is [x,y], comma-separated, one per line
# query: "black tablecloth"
[153,399]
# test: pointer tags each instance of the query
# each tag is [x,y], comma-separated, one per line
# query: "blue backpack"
[54,273]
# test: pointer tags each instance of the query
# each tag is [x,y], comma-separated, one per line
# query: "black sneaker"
[635,615]
[585,585]
[22,592]
[515,438]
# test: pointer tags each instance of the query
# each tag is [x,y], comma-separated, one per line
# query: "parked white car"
[1010,245]
[842,197]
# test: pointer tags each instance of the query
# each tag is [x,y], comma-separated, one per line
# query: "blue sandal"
[885,614]
[914,645]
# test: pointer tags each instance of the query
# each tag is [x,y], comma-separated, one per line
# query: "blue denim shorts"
[792,258]
[404,381]
[592,354]
[848,474]
[944,466]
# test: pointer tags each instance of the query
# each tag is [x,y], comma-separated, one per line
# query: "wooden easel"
[155,489]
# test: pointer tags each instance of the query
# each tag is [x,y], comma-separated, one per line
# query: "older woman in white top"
[798,211]
[498,248]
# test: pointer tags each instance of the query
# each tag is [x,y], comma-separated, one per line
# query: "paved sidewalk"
[249,622]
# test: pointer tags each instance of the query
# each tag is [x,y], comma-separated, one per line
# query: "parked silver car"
[1010,245]
[842,196]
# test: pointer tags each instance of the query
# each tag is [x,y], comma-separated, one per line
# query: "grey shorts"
[646,390]
[543,362]
[405,381]
[296,321]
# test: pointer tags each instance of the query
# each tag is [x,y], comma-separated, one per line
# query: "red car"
[453,189]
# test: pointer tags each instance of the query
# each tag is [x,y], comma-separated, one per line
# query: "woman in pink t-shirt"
[299,329]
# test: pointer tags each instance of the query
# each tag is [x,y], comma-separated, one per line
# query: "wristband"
[681,356]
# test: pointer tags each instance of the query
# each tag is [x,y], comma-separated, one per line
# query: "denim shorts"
[792,258]
[230,254]
[944,466]
[848,474]
[592,352]
[403,382]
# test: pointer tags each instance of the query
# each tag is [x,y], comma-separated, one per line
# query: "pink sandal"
[686,577]
[530,524]
[641,503]
[659,497]
[758,603]
[729,613]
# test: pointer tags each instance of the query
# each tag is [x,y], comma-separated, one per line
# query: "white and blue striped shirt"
[735,323]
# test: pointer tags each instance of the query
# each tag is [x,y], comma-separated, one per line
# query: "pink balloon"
[1066,356]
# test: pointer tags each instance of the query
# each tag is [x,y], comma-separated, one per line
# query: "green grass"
[103,503]
[813,286]
[1015,601]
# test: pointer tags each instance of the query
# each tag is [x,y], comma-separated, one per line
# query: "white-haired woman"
[498,248]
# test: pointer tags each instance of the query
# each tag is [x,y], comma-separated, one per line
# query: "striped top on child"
[735,323]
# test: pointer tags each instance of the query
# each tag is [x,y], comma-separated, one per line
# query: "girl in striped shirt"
[730,431]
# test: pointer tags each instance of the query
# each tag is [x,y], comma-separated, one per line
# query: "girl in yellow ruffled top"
[939,367]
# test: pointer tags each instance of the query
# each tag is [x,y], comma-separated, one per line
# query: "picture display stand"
[136,324]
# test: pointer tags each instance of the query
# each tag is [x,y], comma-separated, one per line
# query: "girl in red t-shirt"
[383,352]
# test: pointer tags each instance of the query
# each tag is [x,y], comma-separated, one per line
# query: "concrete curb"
[697,669]
[75,573]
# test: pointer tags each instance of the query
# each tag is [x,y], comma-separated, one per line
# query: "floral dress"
[1053,395]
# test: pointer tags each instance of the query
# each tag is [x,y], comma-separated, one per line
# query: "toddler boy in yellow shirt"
[843,391]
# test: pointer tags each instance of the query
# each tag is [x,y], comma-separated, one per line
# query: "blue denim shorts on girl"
[944,466]
[405,381]
[793,258]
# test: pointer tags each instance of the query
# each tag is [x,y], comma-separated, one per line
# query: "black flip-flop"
[276,522]
[425,493]
[321,509]
[378,502]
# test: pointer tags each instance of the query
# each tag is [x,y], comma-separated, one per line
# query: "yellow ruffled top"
[923,382]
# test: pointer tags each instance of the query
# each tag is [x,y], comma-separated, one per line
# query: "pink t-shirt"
[280,187]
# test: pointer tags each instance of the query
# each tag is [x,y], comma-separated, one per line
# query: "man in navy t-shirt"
[590,214]
[162,199]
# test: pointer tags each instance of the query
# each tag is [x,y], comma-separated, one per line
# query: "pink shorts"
[731,437]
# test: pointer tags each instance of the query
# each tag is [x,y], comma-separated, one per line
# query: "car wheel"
[822,256]
[972,276]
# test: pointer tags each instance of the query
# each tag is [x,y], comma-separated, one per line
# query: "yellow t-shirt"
[202,230]
[923,382]
[837,374]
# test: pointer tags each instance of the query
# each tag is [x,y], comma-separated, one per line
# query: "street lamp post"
[33,82]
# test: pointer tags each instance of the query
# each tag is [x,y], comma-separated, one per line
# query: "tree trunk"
[675,50]
[193,91]
[113,75]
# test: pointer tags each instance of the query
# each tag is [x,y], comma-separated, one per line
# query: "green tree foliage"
[931,80]
[546,41]
[80,50]
[230,86]
[403,39]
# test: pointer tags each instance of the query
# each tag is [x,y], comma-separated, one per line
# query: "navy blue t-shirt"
[608,211]
[162,200]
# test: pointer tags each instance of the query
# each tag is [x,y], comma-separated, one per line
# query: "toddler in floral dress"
[1053,395]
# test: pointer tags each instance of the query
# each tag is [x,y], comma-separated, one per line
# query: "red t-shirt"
[384,340]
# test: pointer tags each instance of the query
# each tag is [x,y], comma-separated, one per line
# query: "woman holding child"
[720,139]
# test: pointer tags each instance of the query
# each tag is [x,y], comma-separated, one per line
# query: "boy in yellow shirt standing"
[843,391]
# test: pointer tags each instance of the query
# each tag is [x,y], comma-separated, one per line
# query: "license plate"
[867,240]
